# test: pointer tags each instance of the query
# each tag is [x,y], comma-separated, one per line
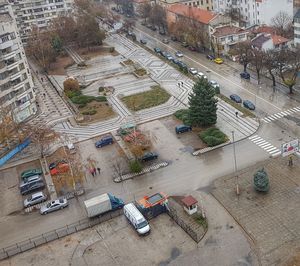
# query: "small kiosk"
[189,204]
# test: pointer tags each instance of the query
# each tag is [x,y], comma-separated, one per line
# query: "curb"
[144,171]
[201,151]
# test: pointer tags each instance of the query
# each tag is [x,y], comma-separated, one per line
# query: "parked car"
[149,26]
[30,187]
[236,98]
[60,168]
[184,44]
[163,53]
[107,140]
[193,71]
[192,48]
[210,57]
[174,38]
[245,75]
[54,206]
[214,84]
[249,105]
[30,179]
[162,32]
[175,61]
[54,164]
[219,60]
[157,50]
[149,156]
[201,75]
[169,57]
[35,198]
[182,128]
[179,54]
[143,41]
[153,28]
[165,41]
[182,65]
[31,172]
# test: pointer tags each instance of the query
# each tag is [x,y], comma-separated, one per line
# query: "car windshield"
[48,205]
[142,224]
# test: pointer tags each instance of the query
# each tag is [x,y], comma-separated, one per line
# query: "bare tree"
[144,11]
[271,64]
[257,59]
[283,23]
[158,17]
[244,51]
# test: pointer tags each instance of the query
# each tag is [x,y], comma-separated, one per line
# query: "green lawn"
[147,99]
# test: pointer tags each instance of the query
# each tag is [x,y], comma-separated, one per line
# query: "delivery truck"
[102,204]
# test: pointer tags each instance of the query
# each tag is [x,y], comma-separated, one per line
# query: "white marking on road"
[265,145]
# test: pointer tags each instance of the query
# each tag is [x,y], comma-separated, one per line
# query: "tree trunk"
[258,76]
[291,89]
[245,67]
[273,77]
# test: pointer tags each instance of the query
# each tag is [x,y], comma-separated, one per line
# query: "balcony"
[7,44]
[12,65]
[8,55]
[18,86]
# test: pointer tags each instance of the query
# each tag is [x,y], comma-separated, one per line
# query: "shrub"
[101,89]
[82,99]
[111,49]
[71,84]
[71,94]
[213,137]
[135,166]
[183,115]
[89,112]
[100,99]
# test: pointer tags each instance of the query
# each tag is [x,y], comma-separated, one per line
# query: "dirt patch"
[294,261]
[190,139]
[103,112]
[60,65]
[87,54]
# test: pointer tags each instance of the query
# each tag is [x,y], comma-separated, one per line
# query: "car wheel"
[61,207]
[45,212]
[28,206]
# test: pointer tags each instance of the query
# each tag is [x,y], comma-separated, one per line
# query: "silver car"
[54,206]
[35,198]
[30,179]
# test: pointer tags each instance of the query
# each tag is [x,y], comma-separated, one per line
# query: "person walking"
[94,171]
[236,114]
[290,161]
[99,170]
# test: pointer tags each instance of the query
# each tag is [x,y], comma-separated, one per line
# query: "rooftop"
[201,15]
[279,39]
[265,29]
[260,40]
[5,17]
[189,201]
[228,30]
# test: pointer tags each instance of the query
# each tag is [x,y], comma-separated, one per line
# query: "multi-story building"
[29,13]
[255,12]
[16,85]
[202,4]
[297,28]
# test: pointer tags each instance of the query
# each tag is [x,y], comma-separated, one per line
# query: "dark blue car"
[236,98]
[149,156]
[157,50]
[104,141]
[175,61]
[182,128]
[249,105]
[210,57]
[182,65]
[245,75]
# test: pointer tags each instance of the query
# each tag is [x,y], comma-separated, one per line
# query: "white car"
[54,205]
[35,198]
[214,84]
[179,54]
[193,71]
[201,75]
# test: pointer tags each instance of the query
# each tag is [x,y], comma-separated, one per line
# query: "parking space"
[10,196]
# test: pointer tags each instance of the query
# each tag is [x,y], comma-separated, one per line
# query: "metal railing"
[47,237]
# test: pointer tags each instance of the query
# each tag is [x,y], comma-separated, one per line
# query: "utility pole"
[235,165]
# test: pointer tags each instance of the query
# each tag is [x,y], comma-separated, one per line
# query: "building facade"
[202,4]
[297,28]
[255,12]
[29,13]
[16,85]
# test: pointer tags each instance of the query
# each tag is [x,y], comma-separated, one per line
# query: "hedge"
[213,136]
[183,115]
[135,166]
[89,112]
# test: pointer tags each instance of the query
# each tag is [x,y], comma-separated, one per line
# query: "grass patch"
[82,100]
[140,72]
[183,115]
[213,136]
[154,97]
[135,166]
[200,220]
[245,111]
[128,62]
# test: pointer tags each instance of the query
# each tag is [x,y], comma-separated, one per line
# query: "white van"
[136,219]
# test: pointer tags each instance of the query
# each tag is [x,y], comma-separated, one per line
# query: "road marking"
[265,145]
[236,84]
[280,114]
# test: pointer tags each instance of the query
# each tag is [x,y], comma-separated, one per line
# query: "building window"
[5,38]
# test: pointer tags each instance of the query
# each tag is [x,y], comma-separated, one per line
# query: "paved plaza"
[271,220]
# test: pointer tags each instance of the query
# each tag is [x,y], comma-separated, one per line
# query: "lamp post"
[235,165]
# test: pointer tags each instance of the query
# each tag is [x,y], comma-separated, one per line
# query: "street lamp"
[235,165]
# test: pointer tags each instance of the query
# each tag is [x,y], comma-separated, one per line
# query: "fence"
[55,234]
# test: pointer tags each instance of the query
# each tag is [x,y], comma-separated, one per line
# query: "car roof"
[40,193]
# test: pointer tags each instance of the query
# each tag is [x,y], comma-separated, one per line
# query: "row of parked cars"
[246,103]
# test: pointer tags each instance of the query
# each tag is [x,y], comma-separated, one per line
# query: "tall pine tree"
[203,105]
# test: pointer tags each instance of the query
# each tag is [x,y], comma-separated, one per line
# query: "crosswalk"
[265,145]
[279,115]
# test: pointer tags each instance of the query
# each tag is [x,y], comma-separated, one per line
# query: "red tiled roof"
[201,15]
[228,30]
[265,29]
[278,39]
[189,201]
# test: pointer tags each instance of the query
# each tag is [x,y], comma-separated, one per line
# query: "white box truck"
[101,204]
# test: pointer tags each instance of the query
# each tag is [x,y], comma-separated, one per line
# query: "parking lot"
[10,197]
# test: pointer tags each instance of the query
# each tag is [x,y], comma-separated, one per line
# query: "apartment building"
[202,4]
[16,85]
[255,12]
[29,13]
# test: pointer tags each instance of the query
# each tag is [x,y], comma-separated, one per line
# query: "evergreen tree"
[203,105]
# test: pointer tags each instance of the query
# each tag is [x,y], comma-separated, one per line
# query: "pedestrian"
[290,161]
[44,94]
[95,171]
[178,84]
[99,170]
[181,83]
[236,114]
[42,79]
[37,72]
[92,172]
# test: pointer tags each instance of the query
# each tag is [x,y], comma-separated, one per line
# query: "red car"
[192,48]
[60,168]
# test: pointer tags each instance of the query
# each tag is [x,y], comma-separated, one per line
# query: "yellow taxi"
[219,60]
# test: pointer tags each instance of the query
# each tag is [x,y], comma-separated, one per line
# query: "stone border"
[144,171]
[207,149]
